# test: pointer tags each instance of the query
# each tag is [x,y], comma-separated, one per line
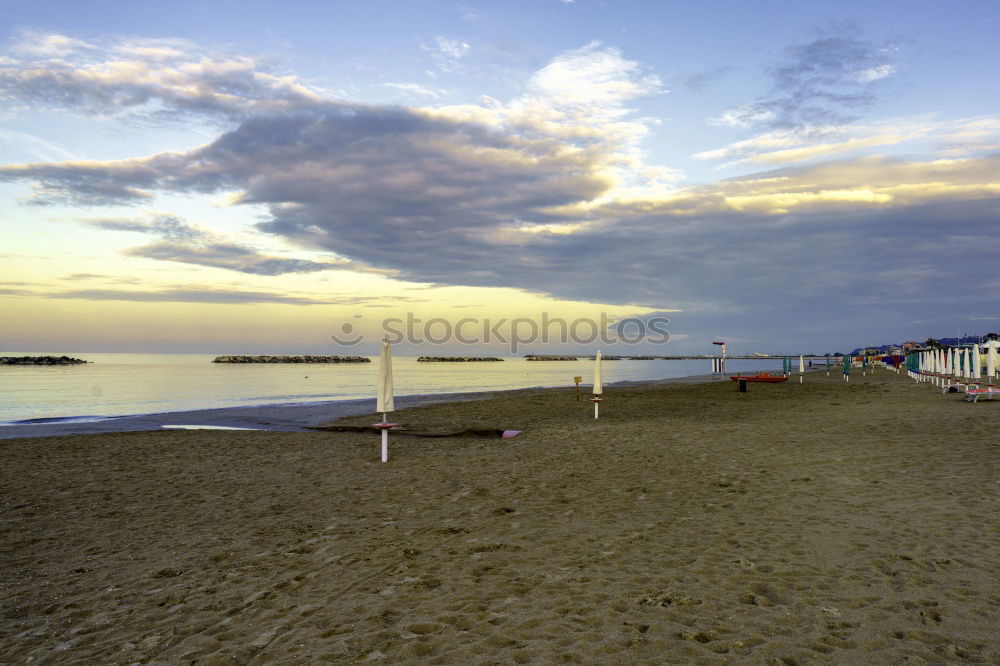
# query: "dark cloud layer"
[452,202]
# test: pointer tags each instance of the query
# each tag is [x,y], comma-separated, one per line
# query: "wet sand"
[277,417]
[691,524]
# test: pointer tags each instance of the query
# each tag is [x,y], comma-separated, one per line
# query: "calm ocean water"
[128,384]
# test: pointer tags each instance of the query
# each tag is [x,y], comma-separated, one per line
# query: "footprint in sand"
[894,576]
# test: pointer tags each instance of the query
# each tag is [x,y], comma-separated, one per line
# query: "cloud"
[415,89]
[593,75]
[924,134]
[228,256]
[198,294]
[825,81]
[447,53]
[451,48]
[701,80]
[747,115]
[34,43]
[168,226]
[184,243]
[875,73]
[187,294]
[84,182]
[142,76]
[35,146]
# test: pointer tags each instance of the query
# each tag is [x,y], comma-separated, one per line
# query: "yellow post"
[577,381]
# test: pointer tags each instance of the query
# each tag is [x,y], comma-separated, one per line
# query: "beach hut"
[598,385]
[383,396]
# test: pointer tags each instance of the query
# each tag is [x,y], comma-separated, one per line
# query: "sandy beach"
[793,524]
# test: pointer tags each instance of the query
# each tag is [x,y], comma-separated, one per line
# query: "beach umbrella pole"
[385,440]
[598,385]
[384,401]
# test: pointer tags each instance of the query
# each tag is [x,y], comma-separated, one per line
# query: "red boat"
[763,377]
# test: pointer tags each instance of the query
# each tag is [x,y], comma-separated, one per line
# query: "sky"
[252,177]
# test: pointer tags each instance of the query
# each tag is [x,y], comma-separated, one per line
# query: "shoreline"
[280,417]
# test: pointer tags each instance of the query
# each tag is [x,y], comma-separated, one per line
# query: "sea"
[135,384]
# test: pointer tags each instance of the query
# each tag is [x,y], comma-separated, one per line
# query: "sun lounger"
[973,395]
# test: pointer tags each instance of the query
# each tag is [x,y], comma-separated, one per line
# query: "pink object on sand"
[507,434]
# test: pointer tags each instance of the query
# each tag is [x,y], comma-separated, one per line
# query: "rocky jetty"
[641,358]
[291,359]
[543,357]
[458,359]
[40,360]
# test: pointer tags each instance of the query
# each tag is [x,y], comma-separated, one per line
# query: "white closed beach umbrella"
[976,361]
[991,359]
[383,395]
[598,385]
[802,368]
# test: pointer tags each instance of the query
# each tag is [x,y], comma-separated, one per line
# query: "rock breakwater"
[458,359]
[41,360]
[291,359]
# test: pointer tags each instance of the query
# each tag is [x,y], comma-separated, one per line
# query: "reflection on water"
[118,384]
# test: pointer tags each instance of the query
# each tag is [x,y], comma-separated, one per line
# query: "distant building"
[907,346]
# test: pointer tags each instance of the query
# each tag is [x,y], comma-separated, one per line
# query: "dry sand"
[821,523]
